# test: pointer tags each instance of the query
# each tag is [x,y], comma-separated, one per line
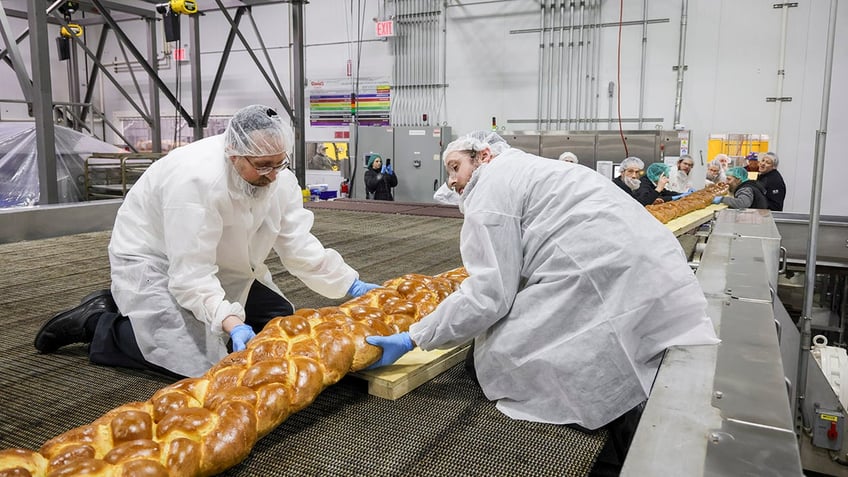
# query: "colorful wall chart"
[333,104]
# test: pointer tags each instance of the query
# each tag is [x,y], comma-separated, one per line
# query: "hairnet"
[751,157]
[738,172]
[568,157]
[477,141]
[656,170]
[632,162]
[773,157]
[257,130]
[370,161]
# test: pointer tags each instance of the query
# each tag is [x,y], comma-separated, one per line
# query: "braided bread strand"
[203,426]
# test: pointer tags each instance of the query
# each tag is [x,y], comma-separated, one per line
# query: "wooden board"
[412,370]
[694,219]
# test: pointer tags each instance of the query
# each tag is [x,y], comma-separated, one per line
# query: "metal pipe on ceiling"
[569,67]
[560,63]
[781,74]
[681,52]
[541,69]
[644,64]
[578,113]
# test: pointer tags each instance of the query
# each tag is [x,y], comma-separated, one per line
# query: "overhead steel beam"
[153,76]
[265,50]
[42,104]
[216,83]
[114,81]
[280,95]
[98,20]
[133,7]
[92,77]
[25,33]
[15,54]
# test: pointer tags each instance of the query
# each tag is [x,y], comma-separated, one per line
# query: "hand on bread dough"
[240,335]
[359,288]
[394,346]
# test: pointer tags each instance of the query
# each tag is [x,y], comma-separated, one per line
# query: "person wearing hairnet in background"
[569,157]
[188,254]
[747,194]
[714,173]
[574,290]
[681,178]
[653,187]
[630,174]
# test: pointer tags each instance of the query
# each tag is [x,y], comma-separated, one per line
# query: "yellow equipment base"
[412,370]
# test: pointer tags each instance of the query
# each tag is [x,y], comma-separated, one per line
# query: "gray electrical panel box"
[415,153]
[827,429]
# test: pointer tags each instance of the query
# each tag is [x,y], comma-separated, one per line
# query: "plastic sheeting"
[19,181]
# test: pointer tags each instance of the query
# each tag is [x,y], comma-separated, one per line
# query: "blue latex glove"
[717,199]
[394,346]
[359,288]
[240,335]
[389,170]
[383,169]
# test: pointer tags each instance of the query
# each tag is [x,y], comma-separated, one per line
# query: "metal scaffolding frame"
[37,90]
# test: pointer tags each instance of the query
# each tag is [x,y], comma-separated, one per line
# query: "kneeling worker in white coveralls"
[574,289]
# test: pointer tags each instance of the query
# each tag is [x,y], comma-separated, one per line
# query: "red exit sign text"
[386,28]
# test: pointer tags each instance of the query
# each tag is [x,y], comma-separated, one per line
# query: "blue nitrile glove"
[691,189]
[359,288]
[383,169]
[394,346]
[389,170]
[240,335]
[680,196]
[717,199]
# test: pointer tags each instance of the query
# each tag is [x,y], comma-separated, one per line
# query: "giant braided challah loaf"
[668,211]
[202,426]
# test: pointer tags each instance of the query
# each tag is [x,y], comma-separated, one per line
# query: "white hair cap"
[477,141]
[568,157]
[257,130]
[631,161]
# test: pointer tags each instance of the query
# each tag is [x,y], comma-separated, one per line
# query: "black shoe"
[68,327]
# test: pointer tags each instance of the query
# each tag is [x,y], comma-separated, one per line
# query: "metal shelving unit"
[110,176]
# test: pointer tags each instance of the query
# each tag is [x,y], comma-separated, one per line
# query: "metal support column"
[196,80]
[42,104]
[74,86]
[298,84]
[155,112]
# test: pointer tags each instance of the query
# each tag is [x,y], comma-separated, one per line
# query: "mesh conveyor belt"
[445,427]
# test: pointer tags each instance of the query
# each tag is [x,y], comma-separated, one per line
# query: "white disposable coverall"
[574,291]
[680,181]
[188,244]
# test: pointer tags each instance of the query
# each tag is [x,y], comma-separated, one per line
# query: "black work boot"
[68,327]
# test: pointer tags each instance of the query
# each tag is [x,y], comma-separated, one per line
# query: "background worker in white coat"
[574,289]
[188,254]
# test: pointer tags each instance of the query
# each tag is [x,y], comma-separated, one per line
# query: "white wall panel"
[731,52]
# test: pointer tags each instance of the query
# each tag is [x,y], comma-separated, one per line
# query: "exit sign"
[386,28]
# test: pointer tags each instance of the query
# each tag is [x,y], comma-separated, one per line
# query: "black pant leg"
[114,344]
[263,305]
